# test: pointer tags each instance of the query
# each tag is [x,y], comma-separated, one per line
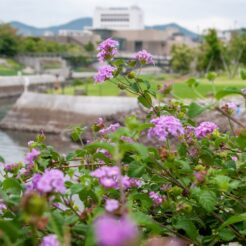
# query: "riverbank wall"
[54,113]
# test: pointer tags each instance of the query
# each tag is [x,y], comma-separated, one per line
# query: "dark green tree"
[181,58]
[9,40]
[209,53]
[89,47]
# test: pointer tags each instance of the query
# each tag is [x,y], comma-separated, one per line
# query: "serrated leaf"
[145,100]
[207,200]
[188,226]
[195,110]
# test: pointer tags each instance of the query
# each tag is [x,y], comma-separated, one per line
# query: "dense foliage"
[185,185]
[12,44]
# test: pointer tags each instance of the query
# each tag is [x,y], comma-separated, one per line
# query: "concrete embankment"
[35,111]
[14,85]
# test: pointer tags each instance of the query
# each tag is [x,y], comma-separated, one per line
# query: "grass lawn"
[180,88]
[10,69]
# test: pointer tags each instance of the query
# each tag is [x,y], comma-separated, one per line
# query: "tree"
[209,56]
[234,53]
[89,47]
[181,58]
[9,40]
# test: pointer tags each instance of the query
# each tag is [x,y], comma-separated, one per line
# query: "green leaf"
[241,141]
[223,182]
[234,219]
[145,100]
[56,222]
[100,145]
[195,110]
[132,63]
[188,226]
[207,200]
[143,199]
[10,229]
[76,133]
[11,184]
[2,159]
[136,169]
[192,82]
[134,87]
[147,84]
[144,220]
[228,91]
[226,234]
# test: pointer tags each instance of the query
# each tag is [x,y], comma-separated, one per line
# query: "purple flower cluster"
[104,73]
[144,57]
[156,198]
[112,231]
[109,178]
[32,156]
[50,240]
[50,181]
[111,205]
[205,128]
[11,167]
[165,126]
[107,49]
[110,129]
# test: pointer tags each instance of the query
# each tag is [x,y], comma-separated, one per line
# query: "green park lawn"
[10,69]
[180,88]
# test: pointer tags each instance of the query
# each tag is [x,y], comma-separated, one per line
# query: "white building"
[118,18]
[73,33]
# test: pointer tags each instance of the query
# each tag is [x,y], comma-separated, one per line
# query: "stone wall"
[34,111]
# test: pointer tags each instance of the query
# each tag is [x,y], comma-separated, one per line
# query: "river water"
[13,144]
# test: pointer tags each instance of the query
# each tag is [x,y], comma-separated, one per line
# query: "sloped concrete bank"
[54,113]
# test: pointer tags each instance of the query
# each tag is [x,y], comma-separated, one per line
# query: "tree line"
[12,44]
[212,54]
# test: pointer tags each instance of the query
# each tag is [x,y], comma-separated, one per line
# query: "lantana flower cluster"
[50,240]
[205,128]
[112,231]
[165,126]
[107,49]
[50,181]
[144,57]
[110,177]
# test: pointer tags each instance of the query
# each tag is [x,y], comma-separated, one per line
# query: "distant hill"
[181,29]
[78,24]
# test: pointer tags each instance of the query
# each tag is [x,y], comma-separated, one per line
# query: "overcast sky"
[193,14]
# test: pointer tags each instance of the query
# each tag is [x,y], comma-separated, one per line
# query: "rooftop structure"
[118,18]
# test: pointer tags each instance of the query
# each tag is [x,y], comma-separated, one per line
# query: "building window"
[138,46]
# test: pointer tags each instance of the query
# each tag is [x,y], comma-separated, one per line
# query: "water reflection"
[13,144]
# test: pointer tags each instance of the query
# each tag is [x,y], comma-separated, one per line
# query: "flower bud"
[131,75]
[33,204]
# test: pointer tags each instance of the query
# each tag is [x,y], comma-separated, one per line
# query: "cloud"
[193,14]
